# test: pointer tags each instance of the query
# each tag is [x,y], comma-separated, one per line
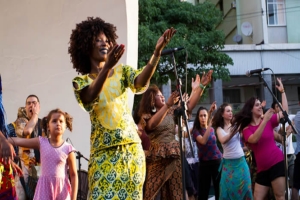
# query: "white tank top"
[232,149]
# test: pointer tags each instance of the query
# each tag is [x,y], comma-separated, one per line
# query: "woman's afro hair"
[82,39]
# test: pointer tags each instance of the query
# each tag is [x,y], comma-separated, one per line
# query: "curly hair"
[68,118]
[148,101]
[82,39]
[243,118]
[218,120]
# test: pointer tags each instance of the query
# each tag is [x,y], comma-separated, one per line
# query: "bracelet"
[202,86]
[154,60]
[282,91]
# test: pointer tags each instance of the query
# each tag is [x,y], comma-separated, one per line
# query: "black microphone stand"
[180,113]
[282,121]
[78,157]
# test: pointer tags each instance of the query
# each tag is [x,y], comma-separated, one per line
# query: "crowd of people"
[139,156]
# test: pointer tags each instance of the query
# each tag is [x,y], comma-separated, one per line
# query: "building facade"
[260,34]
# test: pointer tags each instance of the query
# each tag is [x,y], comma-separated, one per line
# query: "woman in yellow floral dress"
[117,161]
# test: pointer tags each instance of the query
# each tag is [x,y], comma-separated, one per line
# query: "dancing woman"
[209,153]
[117,161]
[163,179]
[235,180]
[259,135]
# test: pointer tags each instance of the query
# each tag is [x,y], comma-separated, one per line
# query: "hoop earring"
[153,109]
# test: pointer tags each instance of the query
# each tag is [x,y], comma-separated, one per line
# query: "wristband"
[202,86]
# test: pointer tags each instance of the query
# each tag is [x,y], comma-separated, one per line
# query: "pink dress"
[53,182]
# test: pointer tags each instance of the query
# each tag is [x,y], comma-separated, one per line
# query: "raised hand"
[185,97]
[280,86]
[263,103]
[213,107]
[164,40]
[196,82]
[206,78]
[173,98]
[114,55]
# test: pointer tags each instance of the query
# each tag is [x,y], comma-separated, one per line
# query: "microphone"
[254,71]
[169,51]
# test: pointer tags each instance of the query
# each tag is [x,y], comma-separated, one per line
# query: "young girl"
[57,157]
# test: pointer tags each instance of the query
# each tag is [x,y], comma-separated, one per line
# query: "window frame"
[276,10]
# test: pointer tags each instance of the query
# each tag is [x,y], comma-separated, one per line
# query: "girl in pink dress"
[57,157]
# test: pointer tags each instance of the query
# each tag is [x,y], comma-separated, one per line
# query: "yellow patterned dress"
[117,161]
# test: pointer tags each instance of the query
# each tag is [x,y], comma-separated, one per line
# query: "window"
[276,12]
[232,96]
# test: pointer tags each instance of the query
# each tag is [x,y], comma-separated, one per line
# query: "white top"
[232,149]
[289,145]
[289,140]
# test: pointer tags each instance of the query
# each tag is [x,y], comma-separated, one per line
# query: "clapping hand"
[269,114]
[173,99]
[114,55]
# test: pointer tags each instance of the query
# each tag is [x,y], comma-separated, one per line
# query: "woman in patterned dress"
[117,161]
[163,179]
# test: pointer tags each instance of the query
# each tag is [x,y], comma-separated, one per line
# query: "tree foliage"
[196,31]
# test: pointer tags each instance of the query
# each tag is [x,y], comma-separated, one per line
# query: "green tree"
[196,31]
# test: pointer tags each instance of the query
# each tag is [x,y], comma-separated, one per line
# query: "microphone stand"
[180,113]
[282,121]
[79,156]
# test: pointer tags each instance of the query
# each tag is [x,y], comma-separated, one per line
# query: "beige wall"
[34,58]
[248,11]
